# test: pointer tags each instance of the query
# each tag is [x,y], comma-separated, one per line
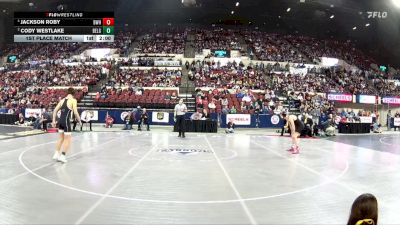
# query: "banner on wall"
[166,63]
[275,119]
[123,115]
[33,112]
[365,119]
[391,100]
[239,119]
[90,115]
[366,99]
[160,117]
[298,71]
[340,97]
[397,122]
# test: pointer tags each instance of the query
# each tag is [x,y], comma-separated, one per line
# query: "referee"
[179,117]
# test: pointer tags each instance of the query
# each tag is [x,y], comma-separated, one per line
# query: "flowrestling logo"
[184,151]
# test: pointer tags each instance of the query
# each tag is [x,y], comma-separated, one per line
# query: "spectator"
[21,119]
[167,96]
[330,126]
[233,110]
[199,102]
[109,121]
[205,115]
[364,211]
[144,118]
[129,119]
[224,102]
[225,109]
[173,96]
[230,127]
[212,106]
[87,117]
[389,120]
[397,115]
[376,127]
[308,126]
[196,116]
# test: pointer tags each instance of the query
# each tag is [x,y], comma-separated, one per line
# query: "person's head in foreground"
[364,211]
[71,91]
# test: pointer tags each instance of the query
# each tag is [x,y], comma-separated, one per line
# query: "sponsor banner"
[166,63]
[160,117]
[340,97]
[397,122]
[275,119]
[365,119]
[239,119]
[90,115]
[123,115]
[366,99]
[391,100]
[33,112]
[298,71]
[329,62]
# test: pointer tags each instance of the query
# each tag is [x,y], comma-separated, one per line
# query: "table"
[200,126]
[354,128]
[8,118]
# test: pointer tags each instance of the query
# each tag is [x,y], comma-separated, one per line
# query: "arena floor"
[157,178]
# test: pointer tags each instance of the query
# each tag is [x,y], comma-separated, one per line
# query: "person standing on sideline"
[179,117]
[144,118]
[389,120]
[67,106]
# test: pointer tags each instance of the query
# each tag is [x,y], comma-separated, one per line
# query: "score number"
[108,21]
[108,26]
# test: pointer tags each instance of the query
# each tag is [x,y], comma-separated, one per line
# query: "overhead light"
[333,16]
[237,4]
[288,9]
[396,3]
[367,25]
[354,28]
[279,17]
[232,12]
[332,6]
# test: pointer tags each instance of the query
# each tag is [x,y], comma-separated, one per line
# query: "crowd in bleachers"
[147,78]
[54,51]
[233,75]
[314,48]
[136,96]
[17,88]
[21,50]
[272,47]
[171,42]
[271,76]
[217,38]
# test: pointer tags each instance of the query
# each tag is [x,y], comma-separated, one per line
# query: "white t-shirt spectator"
[211,105]
[246,98]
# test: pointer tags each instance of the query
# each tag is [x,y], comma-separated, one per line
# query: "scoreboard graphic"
[64,27]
